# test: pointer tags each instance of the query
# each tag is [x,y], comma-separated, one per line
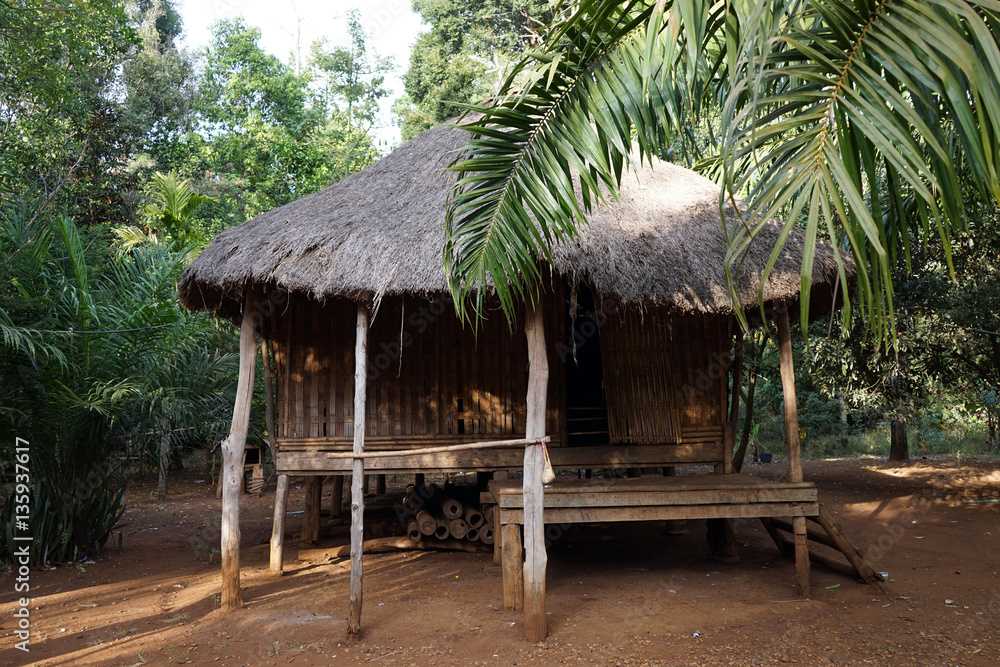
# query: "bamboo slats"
[664,378]
[430,379]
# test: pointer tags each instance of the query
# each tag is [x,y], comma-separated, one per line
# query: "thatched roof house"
[625,363]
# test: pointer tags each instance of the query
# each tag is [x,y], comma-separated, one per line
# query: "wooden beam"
[788,390]
[842,544]
[319,460]
[801,554]
[278,526]
[358,473]
[233,447]
[535,558]
[561,515]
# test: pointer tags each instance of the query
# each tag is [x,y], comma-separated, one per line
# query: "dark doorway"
[586,409]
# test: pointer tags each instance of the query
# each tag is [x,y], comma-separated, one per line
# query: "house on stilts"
[622,362]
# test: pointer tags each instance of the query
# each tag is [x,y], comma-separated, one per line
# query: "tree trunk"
[741,452]
[161,489]
[899,447]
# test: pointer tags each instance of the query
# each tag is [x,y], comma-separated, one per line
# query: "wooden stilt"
[792,442]
[498,538]
[337,501]
[278,527]
[233,447]
[513,566]
[268,396]
[801,554]
[310,517]
[535,558]
[358,473]
[379,485]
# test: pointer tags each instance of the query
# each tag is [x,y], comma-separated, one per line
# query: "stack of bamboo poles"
[430,511]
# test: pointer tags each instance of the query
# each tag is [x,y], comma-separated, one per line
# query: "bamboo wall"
[665,377]
[429,379]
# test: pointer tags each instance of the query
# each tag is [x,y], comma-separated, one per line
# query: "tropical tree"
[852,119]
[464,55]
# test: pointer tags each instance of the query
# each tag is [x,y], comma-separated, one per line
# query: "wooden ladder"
[831,536]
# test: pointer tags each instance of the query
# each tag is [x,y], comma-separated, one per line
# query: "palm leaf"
[844,99]
[546,152]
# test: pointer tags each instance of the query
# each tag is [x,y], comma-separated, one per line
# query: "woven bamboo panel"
[429,379]
[700,358]
[664,377]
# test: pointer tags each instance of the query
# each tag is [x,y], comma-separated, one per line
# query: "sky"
[391,25]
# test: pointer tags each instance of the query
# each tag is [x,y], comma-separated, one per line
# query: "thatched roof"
[381,232]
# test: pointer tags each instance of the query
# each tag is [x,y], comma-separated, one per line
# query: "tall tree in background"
[61,142]
[159,83]
[266,136]
[346,84]
[464,54]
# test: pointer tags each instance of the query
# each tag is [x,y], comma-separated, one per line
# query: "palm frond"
[842,116]
[547,151]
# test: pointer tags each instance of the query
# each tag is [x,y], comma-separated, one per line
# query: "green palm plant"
[848,118]
[96,354]
[172,205]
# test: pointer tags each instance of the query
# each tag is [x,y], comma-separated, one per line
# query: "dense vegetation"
[121,155]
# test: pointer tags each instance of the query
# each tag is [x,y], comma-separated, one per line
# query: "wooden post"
[233,447]
[310,517]
[278,526]
[358,471]
[337,502]
[535,558]
[379,485]
[512,565]
[268,398]
[792,442]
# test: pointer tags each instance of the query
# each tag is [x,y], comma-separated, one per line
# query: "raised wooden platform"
[659,498]
[647,499]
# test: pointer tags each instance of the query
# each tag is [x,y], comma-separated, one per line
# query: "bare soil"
[618,594]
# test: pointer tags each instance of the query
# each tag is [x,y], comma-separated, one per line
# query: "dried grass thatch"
[381,232]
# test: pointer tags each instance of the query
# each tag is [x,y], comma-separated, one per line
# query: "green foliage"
[822,101]
[70,517]
[348,81]
[171,209]
[464,54]
[96,353]
[159,83]
[60,129]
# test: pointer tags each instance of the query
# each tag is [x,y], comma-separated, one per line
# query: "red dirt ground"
[624,594]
